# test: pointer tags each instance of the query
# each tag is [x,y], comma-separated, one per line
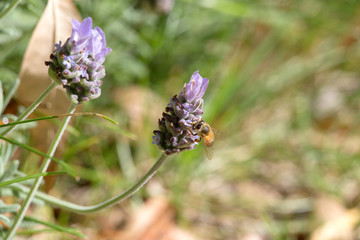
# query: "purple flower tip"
[77,64]
[195,88]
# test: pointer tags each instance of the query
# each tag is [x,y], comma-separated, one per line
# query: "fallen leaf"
[153,221]
[139,104]
[54,25]
[340,228]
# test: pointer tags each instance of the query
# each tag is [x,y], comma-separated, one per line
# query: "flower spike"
[176,127]
[77,64]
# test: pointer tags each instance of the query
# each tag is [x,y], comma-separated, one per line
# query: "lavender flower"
[181,115]
[77,64]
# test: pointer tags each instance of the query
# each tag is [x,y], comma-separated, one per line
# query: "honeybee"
[207,135]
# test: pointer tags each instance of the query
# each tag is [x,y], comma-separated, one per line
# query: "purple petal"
[194,86]
[185,124]
[75,33]
[75,24]
[102,35]
[85,99]
[95,43]
[204,85]
[85,27]
[173,141]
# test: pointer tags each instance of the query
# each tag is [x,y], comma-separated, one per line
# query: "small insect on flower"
[207,135]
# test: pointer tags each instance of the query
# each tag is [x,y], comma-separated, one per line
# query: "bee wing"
[209,152]
[217,132]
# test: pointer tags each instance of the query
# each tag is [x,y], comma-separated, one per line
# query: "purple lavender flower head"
[77,64]
[176,127]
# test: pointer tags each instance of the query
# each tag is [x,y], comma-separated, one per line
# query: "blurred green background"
[284,92]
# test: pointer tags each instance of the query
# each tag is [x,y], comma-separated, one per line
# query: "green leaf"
[58,228]
[59,116]
[1,98]
[8,8]
[10,170]
[15,193]
[4,219]
[20,179]
[65,166]
[8,208]
[11,93]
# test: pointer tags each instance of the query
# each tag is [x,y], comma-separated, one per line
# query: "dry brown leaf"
[340,228]
[153,221]
[252,236]
[54,25]
[259,195]
[145,222]
[139,103]
[328,208]
[178,234]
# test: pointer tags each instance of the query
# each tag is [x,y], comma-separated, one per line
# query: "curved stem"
[38,180]
[30,109]
[87,209]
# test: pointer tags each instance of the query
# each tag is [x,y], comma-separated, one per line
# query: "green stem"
[87,209]
[38,180]
[30,109]
[9,8]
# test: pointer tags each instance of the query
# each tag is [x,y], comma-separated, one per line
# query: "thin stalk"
[10,93]
[59,116]
[30,109]
[38,180]
[9,8]
[87,209]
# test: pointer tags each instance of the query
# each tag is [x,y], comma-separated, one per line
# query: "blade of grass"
[31,108]
[58,228]
[253,11]
[20,179]
[115,129]
[87,209]
[9,8]
[289,73]
[10,94]
[81,145]
[238,76]
[1,98]
[66,167]
[59,116]
[45,164]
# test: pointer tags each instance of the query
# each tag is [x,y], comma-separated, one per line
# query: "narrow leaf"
[20,179]
[4,219]
[10,93]
[1,98]
[59,116]
[9,208]
[13,166]
[66,167]
[8,9]
[71,231]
